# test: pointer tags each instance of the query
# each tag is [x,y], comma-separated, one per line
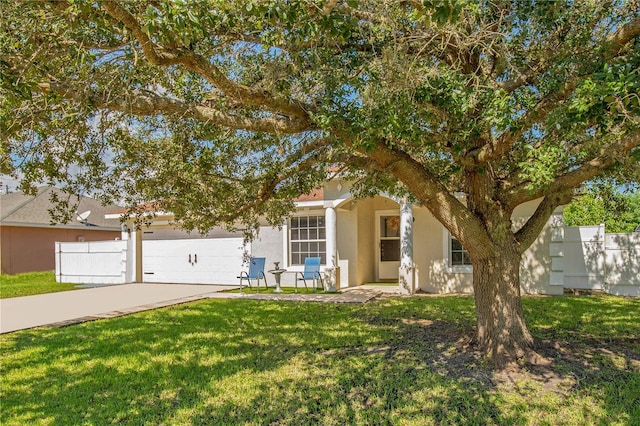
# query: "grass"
[392,361]
[30,283]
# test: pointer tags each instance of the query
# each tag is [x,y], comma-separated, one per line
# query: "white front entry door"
[388,239]
[192,261]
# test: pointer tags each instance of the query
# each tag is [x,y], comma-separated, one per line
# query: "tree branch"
[446,208]
[501,145]
[150,104]
[615,43]
[246,95]
[531,229]
[360,162]
[267,190]
[504,142]
[624,35]
[156,54]
[162,56]
[608,157]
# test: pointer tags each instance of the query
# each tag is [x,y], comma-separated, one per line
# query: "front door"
[388,235]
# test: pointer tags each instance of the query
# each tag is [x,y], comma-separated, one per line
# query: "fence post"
[58,257]
[556,250]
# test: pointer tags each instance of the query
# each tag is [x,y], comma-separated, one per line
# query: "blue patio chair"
[311,272]
[256,272]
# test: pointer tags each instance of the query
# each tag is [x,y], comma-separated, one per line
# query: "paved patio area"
[73,307]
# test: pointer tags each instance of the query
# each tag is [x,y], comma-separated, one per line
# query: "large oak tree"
[223,111]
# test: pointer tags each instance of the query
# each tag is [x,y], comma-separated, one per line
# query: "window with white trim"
[458,256]
[307,238]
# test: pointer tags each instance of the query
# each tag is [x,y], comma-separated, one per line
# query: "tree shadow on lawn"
[222,362]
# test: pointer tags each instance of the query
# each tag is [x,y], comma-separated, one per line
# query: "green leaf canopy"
[222,111]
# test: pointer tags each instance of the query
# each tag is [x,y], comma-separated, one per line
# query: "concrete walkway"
[73,307]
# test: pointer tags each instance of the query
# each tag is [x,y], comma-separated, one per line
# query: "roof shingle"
[17,208]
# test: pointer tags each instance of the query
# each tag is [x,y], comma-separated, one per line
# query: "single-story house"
[359,241]
[27,237]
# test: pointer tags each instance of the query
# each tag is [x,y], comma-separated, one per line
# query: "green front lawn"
[398,360]
[30,283]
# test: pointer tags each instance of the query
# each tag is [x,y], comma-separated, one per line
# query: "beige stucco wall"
[366,240]
[428,248]
[367,245]
[347,235]
[335,190]
[31,249]
[431,259]
[268,244]
[357,249]
[430,256]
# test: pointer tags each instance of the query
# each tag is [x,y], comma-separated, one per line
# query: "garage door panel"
[219,261]
[213,264]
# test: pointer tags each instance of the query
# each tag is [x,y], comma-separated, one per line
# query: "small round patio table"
[277,273]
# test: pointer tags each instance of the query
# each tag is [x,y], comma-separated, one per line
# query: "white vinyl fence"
[622,264]
[93,262]
[585,257]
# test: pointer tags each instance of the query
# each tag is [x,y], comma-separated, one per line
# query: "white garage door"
[192,261]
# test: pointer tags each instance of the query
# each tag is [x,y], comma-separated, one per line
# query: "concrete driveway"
[71,307]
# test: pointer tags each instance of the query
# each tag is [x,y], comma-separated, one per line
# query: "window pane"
[390,250]
[306,238]
[390,226]
[459,256]
[323,258]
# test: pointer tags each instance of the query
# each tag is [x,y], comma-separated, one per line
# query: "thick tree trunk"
[502,332]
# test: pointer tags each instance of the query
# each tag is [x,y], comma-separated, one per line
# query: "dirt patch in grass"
[558,365]
[572,364]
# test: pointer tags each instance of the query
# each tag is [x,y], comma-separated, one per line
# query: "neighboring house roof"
[315,195]
[150,207]
[18,209]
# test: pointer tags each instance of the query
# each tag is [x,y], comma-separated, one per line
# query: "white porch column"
[332,271]
[407,273]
